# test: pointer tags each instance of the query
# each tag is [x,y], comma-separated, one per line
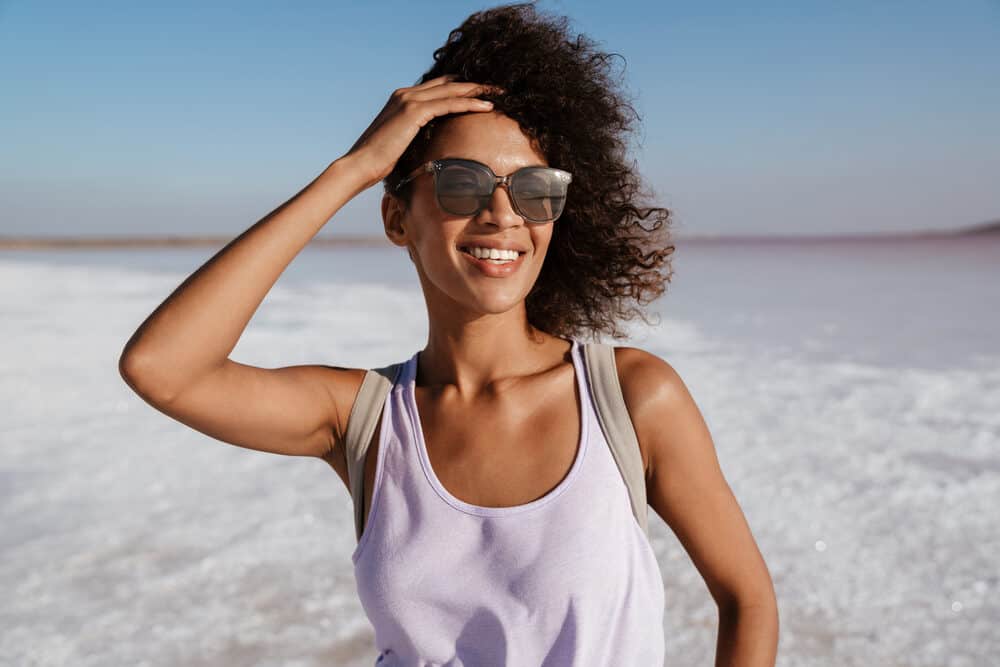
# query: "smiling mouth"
[465,250]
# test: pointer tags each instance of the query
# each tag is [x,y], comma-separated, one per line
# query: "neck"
[484,351]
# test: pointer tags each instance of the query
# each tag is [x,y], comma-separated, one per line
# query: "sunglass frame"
[436,166]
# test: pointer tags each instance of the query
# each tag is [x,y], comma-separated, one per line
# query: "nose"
[500,210]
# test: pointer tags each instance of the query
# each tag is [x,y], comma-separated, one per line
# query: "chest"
[501,450]
[534,572]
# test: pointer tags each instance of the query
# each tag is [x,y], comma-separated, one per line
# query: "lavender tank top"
[568,579]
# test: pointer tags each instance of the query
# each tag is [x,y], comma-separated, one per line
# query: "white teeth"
[492,253]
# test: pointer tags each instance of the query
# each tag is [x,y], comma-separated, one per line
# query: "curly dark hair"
[560,91]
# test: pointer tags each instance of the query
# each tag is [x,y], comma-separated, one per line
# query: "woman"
[496,527]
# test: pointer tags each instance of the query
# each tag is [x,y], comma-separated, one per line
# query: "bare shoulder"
[641,372]
[655,396]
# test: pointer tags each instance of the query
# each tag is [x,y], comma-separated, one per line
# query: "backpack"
[605,392]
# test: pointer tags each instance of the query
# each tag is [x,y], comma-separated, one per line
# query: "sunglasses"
[465,187]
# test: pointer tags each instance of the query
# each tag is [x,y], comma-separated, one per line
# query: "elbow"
[753,595]
[141,376]
[762,607]
[130,366]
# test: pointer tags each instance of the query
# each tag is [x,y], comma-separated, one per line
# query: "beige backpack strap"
[361,425]
[612,413]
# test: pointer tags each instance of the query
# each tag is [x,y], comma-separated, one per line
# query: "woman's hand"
[378,149]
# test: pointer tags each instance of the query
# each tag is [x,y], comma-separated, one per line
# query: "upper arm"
[684,481]
[294,410]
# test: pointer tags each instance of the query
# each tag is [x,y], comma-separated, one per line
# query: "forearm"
[748,635]
[196,328]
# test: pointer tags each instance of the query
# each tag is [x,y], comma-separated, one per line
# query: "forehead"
[488,137]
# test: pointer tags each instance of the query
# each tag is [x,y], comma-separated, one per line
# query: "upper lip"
[499,245]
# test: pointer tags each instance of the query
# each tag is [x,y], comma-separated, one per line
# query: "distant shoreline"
[90,242]
[989,229]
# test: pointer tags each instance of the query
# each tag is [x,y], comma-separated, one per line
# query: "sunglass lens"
[540,194]
[459,189]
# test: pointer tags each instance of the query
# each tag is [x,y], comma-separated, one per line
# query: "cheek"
[430,245]
[541,241]
[423,228]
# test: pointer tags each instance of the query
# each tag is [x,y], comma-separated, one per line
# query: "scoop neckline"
[482,510]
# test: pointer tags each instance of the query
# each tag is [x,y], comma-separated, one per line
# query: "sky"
[792,118]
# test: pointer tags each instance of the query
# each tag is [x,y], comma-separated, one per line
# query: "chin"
[495,304]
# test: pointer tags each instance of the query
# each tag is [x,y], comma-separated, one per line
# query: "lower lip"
[494,270]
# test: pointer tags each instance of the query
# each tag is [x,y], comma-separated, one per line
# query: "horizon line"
[10,242]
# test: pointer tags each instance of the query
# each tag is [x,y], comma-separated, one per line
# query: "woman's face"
[434,237]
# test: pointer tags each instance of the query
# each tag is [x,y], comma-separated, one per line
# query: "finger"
[481,89]
[449,105]
[450,89]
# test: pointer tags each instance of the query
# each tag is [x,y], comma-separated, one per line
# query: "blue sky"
[772,117]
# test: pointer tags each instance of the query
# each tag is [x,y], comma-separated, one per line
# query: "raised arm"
[178,359]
